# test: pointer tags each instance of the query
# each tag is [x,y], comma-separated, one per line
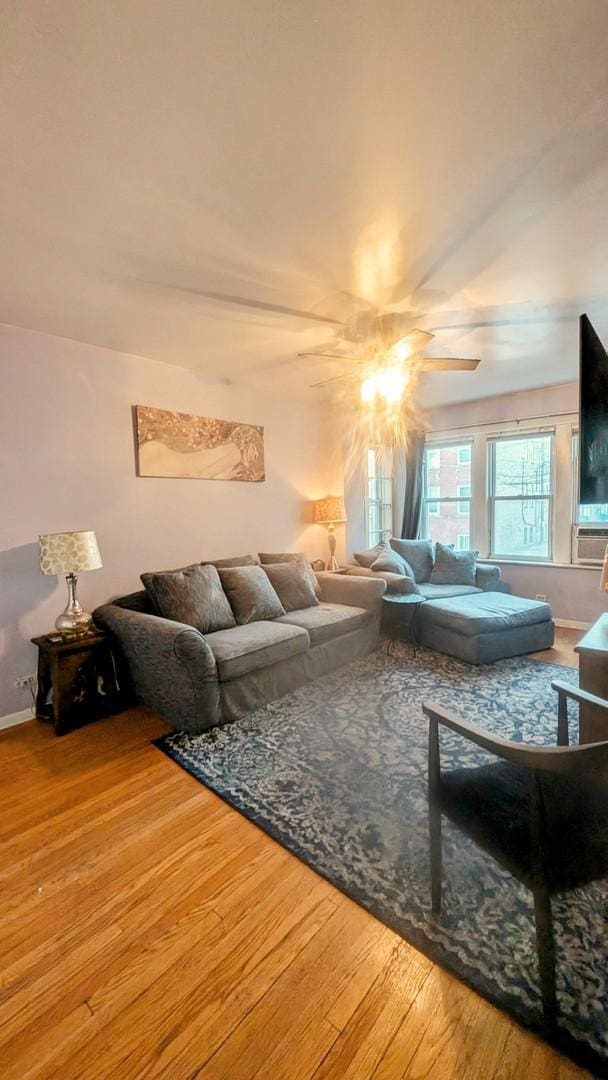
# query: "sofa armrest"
[363,592]
[171,667]
[487,576]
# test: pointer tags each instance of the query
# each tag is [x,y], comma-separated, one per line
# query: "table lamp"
[604,577]
[330,511]
[70,553]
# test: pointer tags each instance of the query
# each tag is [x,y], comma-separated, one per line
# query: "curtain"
[412,507]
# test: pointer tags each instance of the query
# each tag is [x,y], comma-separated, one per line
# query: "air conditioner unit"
[589,544]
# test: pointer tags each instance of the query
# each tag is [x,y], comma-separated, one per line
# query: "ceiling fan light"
[369,389]
[401,351]
[391,384]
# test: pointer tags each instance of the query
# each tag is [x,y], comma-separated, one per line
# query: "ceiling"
[450,156]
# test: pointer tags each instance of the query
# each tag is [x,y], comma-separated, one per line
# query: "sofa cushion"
[234,560]
[453,567]
[439,592]
[250,593]
[368,557]
[253,646]
[418,553]
[292,583]
[484,613]
[391,562]
[193,596]
[395,583]
[327,620]
[273,558]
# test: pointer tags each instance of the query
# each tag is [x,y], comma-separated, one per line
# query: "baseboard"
[568,624]
[16,718]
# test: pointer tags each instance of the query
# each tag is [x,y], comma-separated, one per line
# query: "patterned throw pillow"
[250,593]
[269,557]
[192,595]
[292,584]
[454,567]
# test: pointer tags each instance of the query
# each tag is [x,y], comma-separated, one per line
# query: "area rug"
[336,772]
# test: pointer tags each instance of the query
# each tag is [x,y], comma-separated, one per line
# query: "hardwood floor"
[150,930]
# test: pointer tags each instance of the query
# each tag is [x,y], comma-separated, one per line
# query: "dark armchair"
[540,811]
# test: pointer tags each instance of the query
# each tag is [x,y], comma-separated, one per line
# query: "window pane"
[444,471]
[521,528]
[523,466]
[592,512]
[447,525]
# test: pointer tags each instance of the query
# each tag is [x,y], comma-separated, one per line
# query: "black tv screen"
[593,456]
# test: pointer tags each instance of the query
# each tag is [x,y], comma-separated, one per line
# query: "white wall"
[68,462]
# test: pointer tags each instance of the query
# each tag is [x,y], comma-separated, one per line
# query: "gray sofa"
[197,681]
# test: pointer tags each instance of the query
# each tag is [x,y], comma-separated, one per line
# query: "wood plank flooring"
[149,930]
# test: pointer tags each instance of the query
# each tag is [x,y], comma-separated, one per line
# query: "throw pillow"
[418,553]
[250,593]
[393,563]
[269,557]
[292,584]
[193,596]
[367,558]
[235,560]
[454,567]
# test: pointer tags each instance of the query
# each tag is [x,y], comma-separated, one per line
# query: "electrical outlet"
[540,596]
[22,682]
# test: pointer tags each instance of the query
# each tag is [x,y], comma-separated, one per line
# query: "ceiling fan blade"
[419,338]
[328,355]
[446,363]
[260,305]
[336,378]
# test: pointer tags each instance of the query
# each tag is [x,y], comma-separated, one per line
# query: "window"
[447,494]
[379,495]
[521,496]
[463,542]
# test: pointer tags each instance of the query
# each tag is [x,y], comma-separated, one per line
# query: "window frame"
[524,436]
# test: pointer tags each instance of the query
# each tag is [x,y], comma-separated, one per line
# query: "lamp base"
[333,562]
[74,621]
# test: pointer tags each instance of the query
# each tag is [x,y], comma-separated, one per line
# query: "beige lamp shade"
[604,577]
[69,553]
[329,511]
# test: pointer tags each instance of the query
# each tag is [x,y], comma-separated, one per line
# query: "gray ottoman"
[486,626]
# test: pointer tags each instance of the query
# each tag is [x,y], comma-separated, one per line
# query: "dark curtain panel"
[412,508]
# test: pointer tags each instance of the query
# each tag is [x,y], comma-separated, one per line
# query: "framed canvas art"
[180,445]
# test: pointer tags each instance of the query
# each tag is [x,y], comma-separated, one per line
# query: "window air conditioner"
[589,544]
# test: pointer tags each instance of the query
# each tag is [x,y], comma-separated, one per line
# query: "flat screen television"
[593,413]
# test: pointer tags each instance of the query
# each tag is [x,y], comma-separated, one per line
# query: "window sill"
[542,562]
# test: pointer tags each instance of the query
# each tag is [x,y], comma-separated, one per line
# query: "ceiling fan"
[390,334]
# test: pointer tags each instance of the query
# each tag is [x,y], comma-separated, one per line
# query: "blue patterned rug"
[336,772]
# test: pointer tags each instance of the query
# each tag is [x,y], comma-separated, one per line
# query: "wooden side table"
[79,674]
[592,652]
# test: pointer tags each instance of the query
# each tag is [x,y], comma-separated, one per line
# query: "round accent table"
[399,619]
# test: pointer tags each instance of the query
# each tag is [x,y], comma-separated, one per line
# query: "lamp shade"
[329,511]
[69,553]
[604,577]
